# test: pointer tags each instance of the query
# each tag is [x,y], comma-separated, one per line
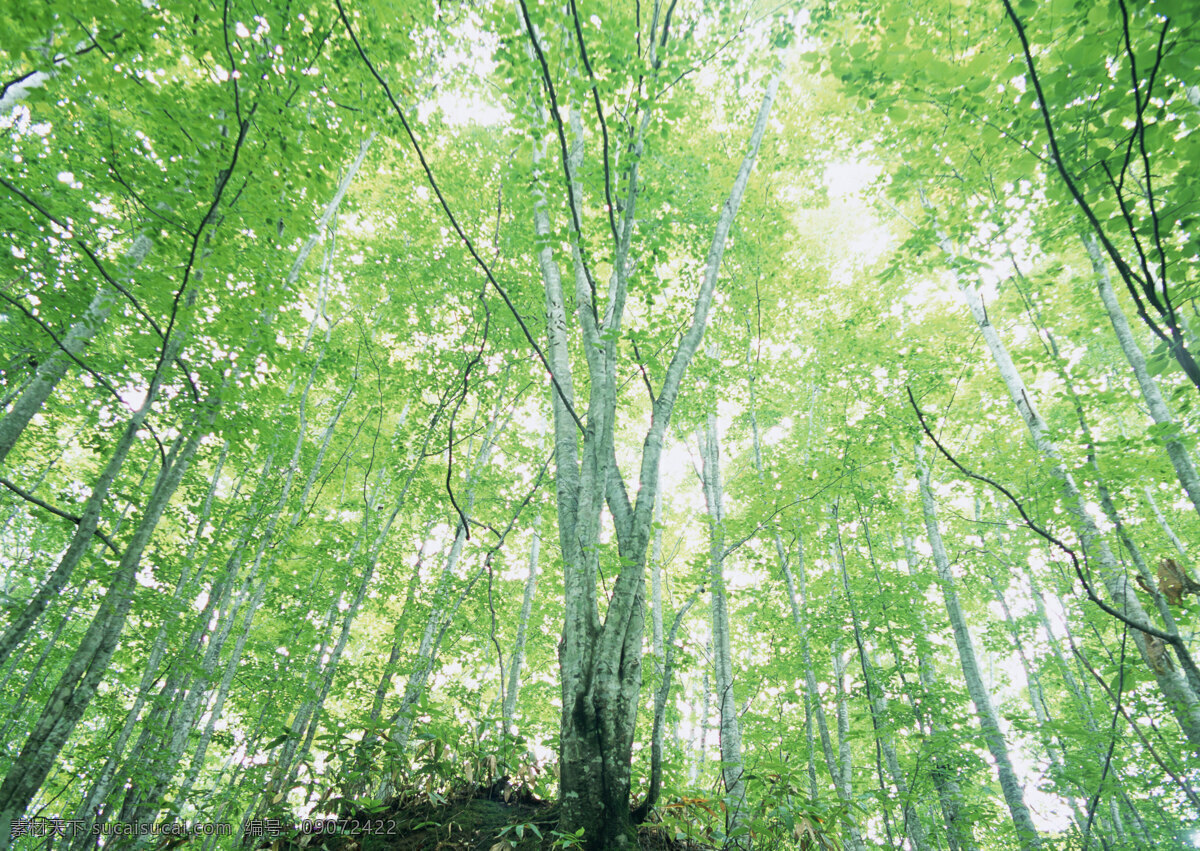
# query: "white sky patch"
[133,397]
[461,110]
[846,179]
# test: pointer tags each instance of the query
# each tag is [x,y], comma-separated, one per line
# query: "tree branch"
[450,215]
[58,512]
[1174,640]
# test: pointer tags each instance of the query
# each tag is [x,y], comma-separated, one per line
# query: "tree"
[350,369]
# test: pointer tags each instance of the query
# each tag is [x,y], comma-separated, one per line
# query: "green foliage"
[298,591]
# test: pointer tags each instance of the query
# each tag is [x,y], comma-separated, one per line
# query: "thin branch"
[58,512]
[100,379]
[612,219]
[1173,640]
[1112,741]
[573,202]
[1140,104]
[466,388]
[1127,274]
[450,215]
[1184,787]
[69,233]
[645,375]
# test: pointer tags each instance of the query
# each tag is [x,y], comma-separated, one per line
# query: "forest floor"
[479,817]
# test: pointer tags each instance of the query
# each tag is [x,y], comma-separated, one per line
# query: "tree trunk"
[601,659]
[1181,459]
[1162,522]
[52,369]
[102,785]
[732,770]
[1014,796]
[877,700]
[90,516]
[843,771]
[508,710]
[1175,689]
[77,685]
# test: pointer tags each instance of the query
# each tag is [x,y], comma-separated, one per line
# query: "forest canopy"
[660,423]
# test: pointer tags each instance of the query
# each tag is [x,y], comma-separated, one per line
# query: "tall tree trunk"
[52,368]
[440,611]
[959,835]
[362,757]
[1175,689]
[77,686]
[656,587]
[1162,522]
[660,709]
[1078,689]
[144,795]
[732,770]
[1056,750]
[877,701]
[517,659]
[1173,444]
[812,702]
[102,785]
[843,774]
[1014,796]
[90,516]
[601,659]
[1106,501]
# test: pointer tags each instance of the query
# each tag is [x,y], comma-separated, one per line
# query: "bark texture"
[1014,795]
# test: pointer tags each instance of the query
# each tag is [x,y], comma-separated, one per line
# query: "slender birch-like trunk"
[440,613]
[142,796]
[1055,749]
[1172,442]
[812,703]
[90,516]
[1106,501]
[1014,795]
[660,708]
[732,770]
[959,835]
[102,785]
[877,701]
[70,346]
[1179,696]
[517,659]
[367,574]
[656,586]
[1162,522]
[701,756]
[365,749]
[77,686]
[1079,690]
[843,775]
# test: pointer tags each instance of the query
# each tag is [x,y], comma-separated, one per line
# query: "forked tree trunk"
[601,659]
